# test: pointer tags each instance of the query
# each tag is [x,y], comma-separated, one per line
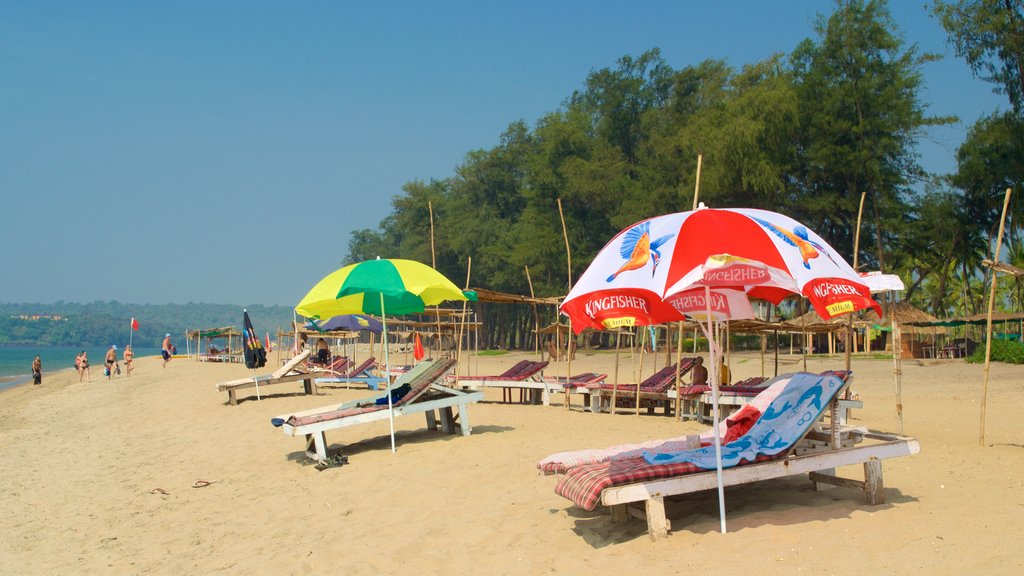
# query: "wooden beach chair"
[289,372]
[425,395]
[653,391]
[787,439]
[361,374]
[525,376]
[337,366]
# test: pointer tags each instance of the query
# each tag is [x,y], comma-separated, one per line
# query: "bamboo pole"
[850,339]
[897,370]
[988,321]
[536,317]
[433,264]
[696,188]
[462,326]
[568,262]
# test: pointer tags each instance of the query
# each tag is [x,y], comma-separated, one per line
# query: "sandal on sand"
[202,483]
[333,461]
[159,491]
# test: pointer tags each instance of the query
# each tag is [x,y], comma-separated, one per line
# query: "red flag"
[417,348]
[268,342]
[135,323]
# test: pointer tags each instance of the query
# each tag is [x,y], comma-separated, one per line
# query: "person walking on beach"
[37,371]
[129,357]
[111,362]
[83,365]
[165,349]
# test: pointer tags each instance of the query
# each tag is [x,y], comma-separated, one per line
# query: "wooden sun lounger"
[426,396]
[289,372]
[654,391]
[526,376]
[358,375]
[818,464]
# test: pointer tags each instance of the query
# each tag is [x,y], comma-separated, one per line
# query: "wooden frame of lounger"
[599,395]
[540,390]
[820,467]
[316,441]
[287,373]
[362,376]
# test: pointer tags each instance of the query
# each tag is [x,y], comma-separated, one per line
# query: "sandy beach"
[82,464]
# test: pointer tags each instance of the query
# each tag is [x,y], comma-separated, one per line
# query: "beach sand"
[80,463]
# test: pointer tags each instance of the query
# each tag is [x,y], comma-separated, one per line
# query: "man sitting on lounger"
[699,373]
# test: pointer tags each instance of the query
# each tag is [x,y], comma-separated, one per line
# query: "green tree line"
[805,133]
[106,323]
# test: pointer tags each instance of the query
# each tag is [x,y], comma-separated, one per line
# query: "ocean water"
[16,363]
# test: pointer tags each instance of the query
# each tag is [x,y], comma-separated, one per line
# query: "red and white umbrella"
[648,273]
[706,265]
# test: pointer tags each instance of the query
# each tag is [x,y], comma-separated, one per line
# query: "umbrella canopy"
[375,286]
[379,287]
[706,265]
[656,270]
[348,323]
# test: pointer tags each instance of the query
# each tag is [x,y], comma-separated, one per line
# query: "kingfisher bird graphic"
[638,249]
[799,239]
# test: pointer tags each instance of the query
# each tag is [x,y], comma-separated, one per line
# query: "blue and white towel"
[781,424]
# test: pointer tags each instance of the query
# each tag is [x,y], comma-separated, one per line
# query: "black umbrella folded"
[255,354]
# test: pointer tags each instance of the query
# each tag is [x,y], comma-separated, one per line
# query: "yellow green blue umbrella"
[393,286]
[380,287]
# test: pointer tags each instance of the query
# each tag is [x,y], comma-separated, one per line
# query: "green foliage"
[105,323]
[1007,351]
[989,36]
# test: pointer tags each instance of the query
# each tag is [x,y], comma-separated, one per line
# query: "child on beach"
[37,371]
[129,356]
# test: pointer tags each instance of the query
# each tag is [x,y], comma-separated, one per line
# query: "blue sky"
[223,152]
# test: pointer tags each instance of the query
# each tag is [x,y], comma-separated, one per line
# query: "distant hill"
[104,323]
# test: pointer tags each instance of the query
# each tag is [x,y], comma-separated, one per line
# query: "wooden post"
[897,371]
[988,322]
[462,327]
[696,187]
[568,262]
[850,337]
[433,264]
[536,317]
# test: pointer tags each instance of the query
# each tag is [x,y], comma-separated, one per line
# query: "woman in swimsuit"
[83,366]
[129,356]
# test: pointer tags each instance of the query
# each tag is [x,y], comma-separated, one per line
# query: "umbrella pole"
[643,345]
[713,374]
[387,362]
[615,387]
[679,358]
